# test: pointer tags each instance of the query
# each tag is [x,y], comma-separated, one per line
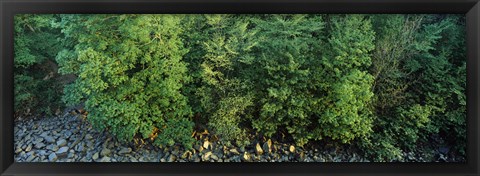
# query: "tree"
[36,88]
[130,74]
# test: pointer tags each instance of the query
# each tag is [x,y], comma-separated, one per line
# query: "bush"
[224,96]
[417,86]
[36,88]
[130,74]
[385,82]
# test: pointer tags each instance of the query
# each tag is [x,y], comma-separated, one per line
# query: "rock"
[44,134]
[442,158]
[89,144]
[88,136]
[246,157]
[444,150]
[195,158]
[39,145]
[49,139]
[67,134]
[186,155]
[80,148]
[206,156]
[125,150]
[214,157]
[234,151]
[52,157]
[61,142]
[38,140]
[292,149]
[95,156]
[258,149]
[29,147]
[105,159]
[242,149]
[42,152]
[267,146]
[200,149]
[71,155]
[172,158]
[206,145]
[302,156]
[105,152]
[111,145]
[163,160]
[52,147]
[18,150]
[62,152]
[30,158]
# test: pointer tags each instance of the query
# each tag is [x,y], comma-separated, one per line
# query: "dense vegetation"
[383,83]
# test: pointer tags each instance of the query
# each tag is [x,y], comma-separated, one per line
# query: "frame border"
[8,8]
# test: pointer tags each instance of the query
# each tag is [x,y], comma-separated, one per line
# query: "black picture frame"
[8,8]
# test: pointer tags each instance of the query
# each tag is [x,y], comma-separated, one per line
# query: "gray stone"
[62,152]
[42,152]
[105,159]
[52,147]
[61,142]
[105,152]
[28,148]
[71,155]
[44,134]
[30,158]
[52,157]
[195,158]
[80,147]
[39,145]
[38,140]
[88,136]
[18,150]
[125,150]
[214,157]
[67,134]
[172,158]
[95,156]
[49,139]
[111,145]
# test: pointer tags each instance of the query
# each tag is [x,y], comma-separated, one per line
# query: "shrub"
[419,83]
[312,86]
[130,74]
[224,95]
[36,88]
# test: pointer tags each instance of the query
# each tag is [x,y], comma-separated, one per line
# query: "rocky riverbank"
[70,138]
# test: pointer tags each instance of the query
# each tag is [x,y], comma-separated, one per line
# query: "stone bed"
[69,138]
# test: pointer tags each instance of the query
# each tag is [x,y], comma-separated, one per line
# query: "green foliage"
[344,109]
[224,96]
[384,82]
[442,77]
[281,67]
[130,73]
[419,82]
[35,47]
